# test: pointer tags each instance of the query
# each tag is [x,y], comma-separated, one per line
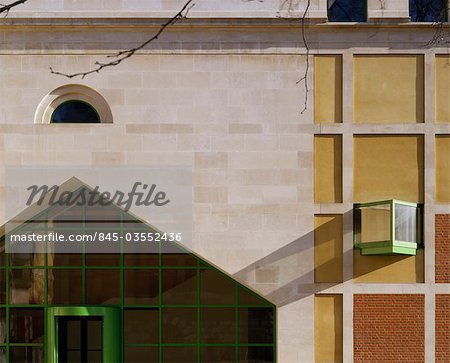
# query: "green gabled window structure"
[165,305]
[388,227]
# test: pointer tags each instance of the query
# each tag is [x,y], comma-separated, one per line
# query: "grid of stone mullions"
[7,268]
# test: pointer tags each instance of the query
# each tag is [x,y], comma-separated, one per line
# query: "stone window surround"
[72,92]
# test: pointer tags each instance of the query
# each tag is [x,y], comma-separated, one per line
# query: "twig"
[5,8]
[125,54]
[305,74]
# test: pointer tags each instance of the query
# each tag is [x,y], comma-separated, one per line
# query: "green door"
[83,334]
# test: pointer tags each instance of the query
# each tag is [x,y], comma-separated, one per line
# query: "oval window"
[75,111]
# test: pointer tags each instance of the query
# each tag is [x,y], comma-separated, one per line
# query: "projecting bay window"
[387,227]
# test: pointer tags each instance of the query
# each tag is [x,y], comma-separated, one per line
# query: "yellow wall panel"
[388,167]
[442,169]
[328,88]
[328,328]
[388,269]
[442,76]
[328,168]
[388,89]
[328,236]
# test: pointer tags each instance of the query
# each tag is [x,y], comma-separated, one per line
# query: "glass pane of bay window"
[406,223]
[375,223]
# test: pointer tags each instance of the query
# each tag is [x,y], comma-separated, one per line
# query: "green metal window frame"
[391,246]
[50,310]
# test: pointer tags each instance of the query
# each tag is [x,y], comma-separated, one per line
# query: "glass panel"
[217,326]
[375,223]
[255,325]
[67,219]
[141,287]
[428,10]
[66,222]
[179,287]
[2,326]
[141,259]
[256,355]
[74,334]
[405,223]
[31,251]
[215,288]
[247,297]
[2,257]
[75,112]
[27,259]
[346,10]
[94,357]
[2,286]
[103,287]
[141,354]
[107,243]
[64,286]
[178,259]
[179,325]
[3,354]
[66,259]
[94,336]
[27,286]
[26,355]
[141,326]
[176,256]
[26,325]
[74,357]
[103,259]
[180,354]
[97,213]
[218,354]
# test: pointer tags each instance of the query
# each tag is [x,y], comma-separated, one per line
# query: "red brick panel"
[389,328]
[442,236]
[443,328]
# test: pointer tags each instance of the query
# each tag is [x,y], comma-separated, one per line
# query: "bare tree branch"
[125,54]
[5,8]
[304,78]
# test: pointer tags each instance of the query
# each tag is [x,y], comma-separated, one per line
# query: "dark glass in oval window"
[75,112]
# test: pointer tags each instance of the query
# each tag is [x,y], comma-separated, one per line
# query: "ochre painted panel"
[388,269]
[388,167]
[328,168]
[442,191]
[328,236]
[442,77]
[328,328]
[328,88]
[388,89]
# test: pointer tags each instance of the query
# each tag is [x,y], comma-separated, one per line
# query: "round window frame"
[72,92]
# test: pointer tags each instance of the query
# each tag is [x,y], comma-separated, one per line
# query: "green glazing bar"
[83,259]
[198,311]
[236,321]
[45,285]
[40,345]
[160,302]
[8,301]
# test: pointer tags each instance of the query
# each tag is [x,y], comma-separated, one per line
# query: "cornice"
[199,22]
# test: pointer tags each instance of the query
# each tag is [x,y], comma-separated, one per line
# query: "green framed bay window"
[388,227]
[164,305]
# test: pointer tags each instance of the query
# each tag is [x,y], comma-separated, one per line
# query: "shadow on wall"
[294,282]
